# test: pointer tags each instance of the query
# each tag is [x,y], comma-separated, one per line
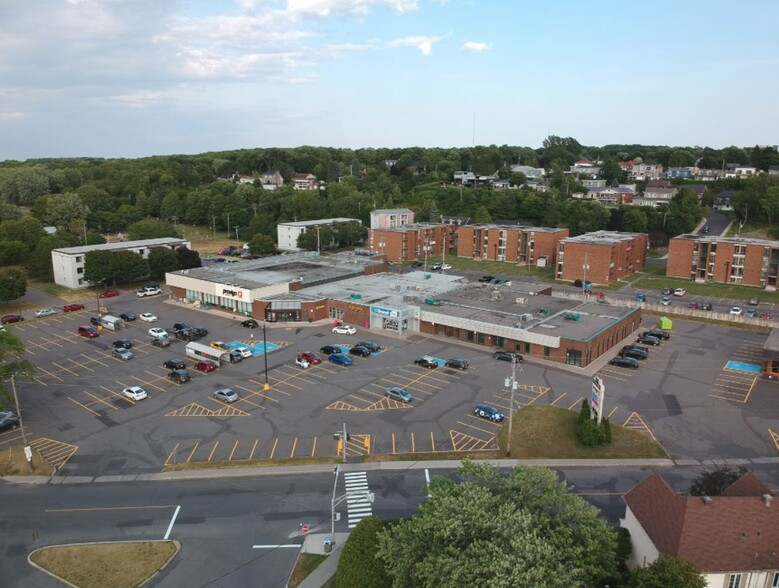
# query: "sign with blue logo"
[380,310]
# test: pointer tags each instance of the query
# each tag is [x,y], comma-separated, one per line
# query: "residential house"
[678,173]
[746,171]
[514,243]
[646,171]
[271,180]
[531,173]
[471,179]
[627,166]
[724,200]
[304,182]
[584,166]
[708,175]
[701,190]
[390,163]
[773,170]
[612,195]
[391,218]
[657,195]
[732,539]
[246,179]
[592,182]
[501,184]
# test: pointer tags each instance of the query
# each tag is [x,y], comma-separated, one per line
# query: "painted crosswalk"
[358,504]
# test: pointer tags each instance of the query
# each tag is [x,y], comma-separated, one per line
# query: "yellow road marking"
[413,445]
[110,508]
[193,451]
[213,450]
[172,453]
[273,451]
[313,448]
[472,426]
[294,446]
[432,440]
[64,369]
[83,406]
[613,410]
[98,399]
[577,403]
[57,453]
[635,422]
[251,455]
[233,451]
[393,442]
[774,438]
[556,400]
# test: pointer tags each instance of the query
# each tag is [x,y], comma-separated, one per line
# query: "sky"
[134,78]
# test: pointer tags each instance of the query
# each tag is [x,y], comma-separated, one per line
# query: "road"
[221,521]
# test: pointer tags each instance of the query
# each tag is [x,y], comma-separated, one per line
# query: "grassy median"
[14,463]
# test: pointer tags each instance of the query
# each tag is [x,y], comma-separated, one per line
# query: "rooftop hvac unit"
[520,300]
[526,317]
[495,295]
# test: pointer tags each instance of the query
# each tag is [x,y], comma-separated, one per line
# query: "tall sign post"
[597,399]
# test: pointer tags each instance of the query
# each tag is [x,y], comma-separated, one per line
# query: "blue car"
[640,297]
[489,412]
[398,393]
[340,359]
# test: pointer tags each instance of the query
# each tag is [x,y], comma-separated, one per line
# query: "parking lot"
[685,395]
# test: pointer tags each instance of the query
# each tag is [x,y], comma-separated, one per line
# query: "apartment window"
[79,259]
[79,270]
[547,352]
[740,250]
[734,581]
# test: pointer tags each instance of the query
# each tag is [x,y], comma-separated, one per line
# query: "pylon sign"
[597,398]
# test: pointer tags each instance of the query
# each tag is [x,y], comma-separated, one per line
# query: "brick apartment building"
[519,244]
[726,260]
[601,257]
[410,242]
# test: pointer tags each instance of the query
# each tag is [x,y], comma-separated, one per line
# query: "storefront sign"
[384,311]
[355,308]
[234,292]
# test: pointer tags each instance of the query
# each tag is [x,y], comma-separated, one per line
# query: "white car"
[44,312]
[135,393]
[736,310]
[302,362]
[244,351]
[446,266]
[344,330]
[148,292]
[148,317]
[158,333]
[665,301]
[680,292]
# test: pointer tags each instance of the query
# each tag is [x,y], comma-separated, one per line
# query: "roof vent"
[767,498]
[707,500]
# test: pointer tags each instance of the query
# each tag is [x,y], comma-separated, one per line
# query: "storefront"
[397,320]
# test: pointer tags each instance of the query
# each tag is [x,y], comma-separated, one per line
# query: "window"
[734,581]
[547,352]
[775,583]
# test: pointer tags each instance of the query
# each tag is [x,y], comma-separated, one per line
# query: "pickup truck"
[148,292]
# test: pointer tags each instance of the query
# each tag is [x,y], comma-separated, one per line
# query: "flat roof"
[603,237]
[732,240]
[391,211]
[121,245]
[517,226]
[321,221]
[307,267]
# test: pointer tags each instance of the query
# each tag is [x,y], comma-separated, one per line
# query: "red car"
[11,318]
[72,307]
[109,294]
[311,357]
[88,332]
[205,366]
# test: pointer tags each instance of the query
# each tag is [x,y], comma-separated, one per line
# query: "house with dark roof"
[733,538]
[724,200]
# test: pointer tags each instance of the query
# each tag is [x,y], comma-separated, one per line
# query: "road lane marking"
[173,520]
[292,545]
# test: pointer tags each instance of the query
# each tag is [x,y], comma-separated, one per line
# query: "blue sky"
[130,78]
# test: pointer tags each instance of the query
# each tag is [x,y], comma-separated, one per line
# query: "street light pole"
[511,384]
[585,267]
[265,354]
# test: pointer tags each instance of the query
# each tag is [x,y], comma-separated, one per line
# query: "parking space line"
[10,437]
[213,450]
[98,399]
[147,383]
[413,444]
[197,443]
[613,410]
[313,448]
[577,403]
[172,453]
[556,400]
[275,444]
[122,396]
[64,369]
[83,406]
[254,404]
[230,458]
[472,426]
[774,438]
[393,443]
[251,455]
[432,440]
[294,446]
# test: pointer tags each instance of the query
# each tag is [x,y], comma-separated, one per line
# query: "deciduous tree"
[714,482]
[151,229]
[665,572]
[162,260]
[262,245]
[187,258]
[13,284]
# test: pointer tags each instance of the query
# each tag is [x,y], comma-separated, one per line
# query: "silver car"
[44,312]
[226,395]
[123,354]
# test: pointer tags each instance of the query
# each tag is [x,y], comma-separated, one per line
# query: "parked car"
[109,293]
[360,351]
[487,279]
[649,340]
[200,331]
[44,312]
[417,264]
[665,301]
[158,333]
[227,395]
[148,317]
[625,361]
[148,292]
[632,354]
[181,326]
[344,330]
[340,359]
[11,318]
[426,362]
[180,376]
[398,393]
[72,307]
[128,316]
[372,345]
[435,266]
[161,342]
[186,335]
[244,351]
[640,297]
[205,366]
[328,349]
[765,316]
[658,333]
[301,362]
[666,291]
[94,320]
[123,354]
[174,364]
[446,266]
[507,356]
[250,324]
[704,306]
[122,344]
[692,305]
[88,332]
[311,357]
[736,310]
[8,420]
[680,292]
[458,364]
[487,411]
[754,301]
[235,356]
[706,230]
[750,312]
[219,345]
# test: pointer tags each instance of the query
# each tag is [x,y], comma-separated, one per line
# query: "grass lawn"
[654,283]
[307,563]
[495,268]
[14,463]
[751,230]
[119,565]
[242,463]
[550,432]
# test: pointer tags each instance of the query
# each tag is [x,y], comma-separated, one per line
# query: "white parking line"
[292,545]
[173,520]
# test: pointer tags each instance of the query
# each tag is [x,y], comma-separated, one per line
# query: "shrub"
[358,566]
[591,433]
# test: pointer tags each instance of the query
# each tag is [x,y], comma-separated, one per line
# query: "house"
[245,179]
[287,233]
[708,175]
[773,170]
[501,184]
[531,173]
[584,166]
[471,179]
[700,190]
[627,166]
[391,218]
[612,195]
[657,196]
[593,182]
[724,200]
[732,539]
[304,182]
[271,180]
[390,163]
[646,171]
[680,173]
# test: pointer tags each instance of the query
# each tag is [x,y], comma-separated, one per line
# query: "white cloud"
[11,115]
[423,43]
[140,99]
[324,8]
[476,46]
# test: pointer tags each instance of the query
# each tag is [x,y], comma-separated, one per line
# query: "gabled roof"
[738,530]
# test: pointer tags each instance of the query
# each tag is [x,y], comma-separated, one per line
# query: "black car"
[250,324]
[181,326]
[637,347]
[174,364]
[94,320]
[128,316]
[627,362]
[186,335]
[235,356]
[649,340]
[658,334]
[417,264]
[180,376]
[704,306]
[507,356]
[123,344]
[360,350]
[426,362]
[458,364]
[486,279]
[8,420]
[330,349]
[633,354]
[200,331]
[372,345]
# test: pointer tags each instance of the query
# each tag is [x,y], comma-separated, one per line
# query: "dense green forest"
[148,197]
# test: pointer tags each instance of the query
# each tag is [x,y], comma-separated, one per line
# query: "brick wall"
[680,255]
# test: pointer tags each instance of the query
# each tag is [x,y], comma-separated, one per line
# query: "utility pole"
[18,412]
[266,387]
[214,228]
[511,384]
[228,225]
[585,267]
[236,232]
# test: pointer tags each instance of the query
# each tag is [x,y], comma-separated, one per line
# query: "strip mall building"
[358,290]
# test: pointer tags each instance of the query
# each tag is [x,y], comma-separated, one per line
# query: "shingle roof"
[734,532]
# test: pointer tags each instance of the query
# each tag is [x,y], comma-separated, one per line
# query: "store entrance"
[282,316]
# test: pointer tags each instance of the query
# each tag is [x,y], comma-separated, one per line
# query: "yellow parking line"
[210,455]
[294,445]
[556,400]
[413,445]
[613,410]
[577,403]
[81,365]
[313,448]
[233,451]
[273,451]
[472,426]
[98,399]
[84,407]
[172,453]
[251,455]
[432,440]
[193,451]
[64,369]
[393,442]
